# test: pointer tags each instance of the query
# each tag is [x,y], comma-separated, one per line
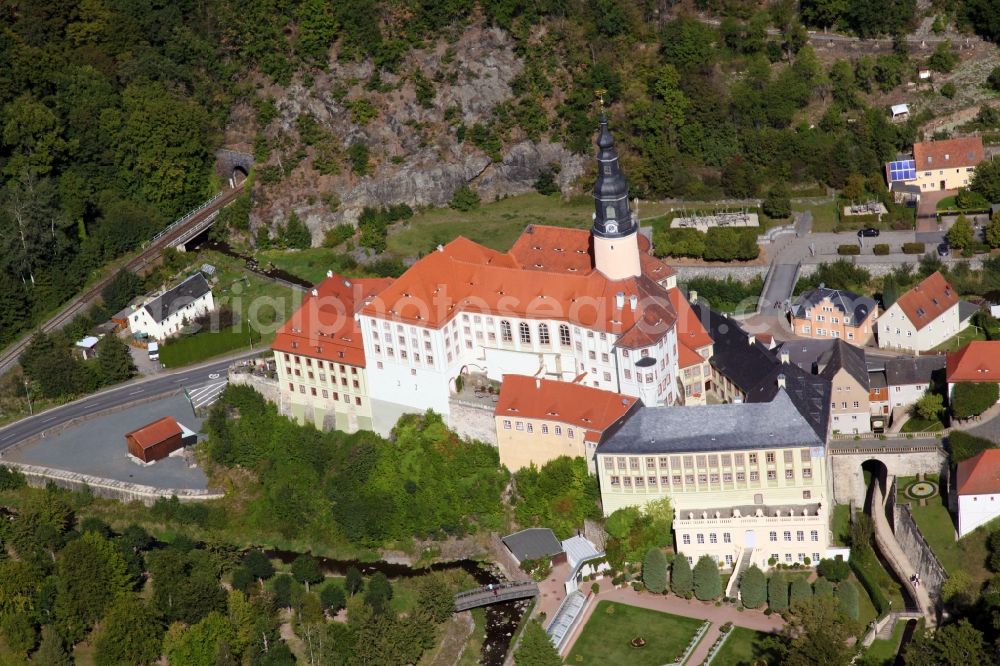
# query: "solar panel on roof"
[902,170]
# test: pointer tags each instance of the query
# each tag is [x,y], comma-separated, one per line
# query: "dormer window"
[930,159]
[920,312]
[946,157]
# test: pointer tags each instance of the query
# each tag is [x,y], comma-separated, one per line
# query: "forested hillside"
[111,111]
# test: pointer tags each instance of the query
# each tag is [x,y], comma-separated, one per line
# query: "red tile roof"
[565,402]
[691,334]
[153,433]
[980,474]
[466,277]
[978,361]
[927,301]
[324,327]
[963,152]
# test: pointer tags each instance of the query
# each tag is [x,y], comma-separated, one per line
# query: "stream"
[502,619]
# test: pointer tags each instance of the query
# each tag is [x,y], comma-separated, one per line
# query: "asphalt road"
[207,374]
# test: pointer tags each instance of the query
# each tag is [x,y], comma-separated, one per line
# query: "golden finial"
[600,93]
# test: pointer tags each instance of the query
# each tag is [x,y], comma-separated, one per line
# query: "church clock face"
[611,227]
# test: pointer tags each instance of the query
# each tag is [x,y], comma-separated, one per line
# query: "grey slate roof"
[877,378]
[919,370]
[733,356]
[849,303]
[174,299]
[532,543]
[804,353]
[842,355]
[657,430]
[966,310]
[808,392]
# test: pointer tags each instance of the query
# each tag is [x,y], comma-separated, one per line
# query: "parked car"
[943,250]
[868,232]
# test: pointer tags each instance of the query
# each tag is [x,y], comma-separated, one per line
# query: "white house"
[978,490]
[165,315]
[922,318]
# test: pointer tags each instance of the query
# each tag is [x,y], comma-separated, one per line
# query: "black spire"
[612,217]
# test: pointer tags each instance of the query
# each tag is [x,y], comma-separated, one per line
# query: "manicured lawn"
[262,306]
[936,524]
[961,339]
[917,424]
[744,647]
[606,637]
[841,524]
[824,215]
[498,224]
[948,203]
[883,651]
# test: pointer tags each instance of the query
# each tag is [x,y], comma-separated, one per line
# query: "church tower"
[616,229]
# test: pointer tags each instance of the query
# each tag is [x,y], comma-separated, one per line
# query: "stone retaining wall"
[265,386]
[742,273]
[472,422]
[932,574]
[39,476]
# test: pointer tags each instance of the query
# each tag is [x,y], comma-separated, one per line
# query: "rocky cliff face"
[416,156]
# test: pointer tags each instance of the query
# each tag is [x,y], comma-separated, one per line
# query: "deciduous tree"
[129,634]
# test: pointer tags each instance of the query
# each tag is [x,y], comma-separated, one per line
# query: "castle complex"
[597,353]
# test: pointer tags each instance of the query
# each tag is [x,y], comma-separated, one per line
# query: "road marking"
[214,375]
[139,391]
[48,419]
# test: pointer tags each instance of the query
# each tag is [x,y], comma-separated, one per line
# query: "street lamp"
[27,394]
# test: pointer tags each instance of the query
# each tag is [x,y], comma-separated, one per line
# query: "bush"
[337,235]
[11,479]
[654,571]
[800,592]
[753,587]
[464,199]
[823,588]
[777,592]
[972,398]
[777,204]
[358,156]
[725,244]
[681,577]
[848,599]
[707,581]
[595,588]
[913,248]
[881,249]
[848,250]
[964,446]
[834,570]
[864,563]
[669,242]
[949,90]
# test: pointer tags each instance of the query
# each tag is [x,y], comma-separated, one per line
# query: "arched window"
[543,334]
[525,332]
[563,334]
[609,212]
[505,333]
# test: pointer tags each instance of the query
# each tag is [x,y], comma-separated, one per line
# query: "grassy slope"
[605,639]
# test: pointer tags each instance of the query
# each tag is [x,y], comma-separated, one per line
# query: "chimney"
[633,301]
[538,383]
[620,300]
[784,356]
[315,291]
[440,248]
[751,339]
[781,381]
[329,274]
[692,297]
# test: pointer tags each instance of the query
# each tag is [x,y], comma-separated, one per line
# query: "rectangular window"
[608,462]
[800,536]
[531,428]
[788,557]
[559,434]
[519,425]
[545,431]
[700,538]
[754,476]
[787,535]
[686,539]
[807,473]
[615,480]
[506,424]
[774,536]
[753,458]
[789,474]
[769,456]
[712,538]
[772,475]
[727,537]
[814,535]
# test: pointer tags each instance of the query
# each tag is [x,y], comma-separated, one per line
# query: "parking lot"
[97,447]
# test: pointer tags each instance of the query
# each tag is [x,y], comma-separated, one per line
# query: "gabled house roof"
[324,326]
[180,296]
[743,362]
[978,361]
[153,433]
[980,474]
[904,370]
[592,409]
[850,304]
[928,300]
[533,543]
[964,152]
[808,392]
[548,275]
[844,356]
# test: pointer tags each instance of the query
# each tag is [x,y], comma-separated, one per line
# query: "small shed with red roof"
[155,440]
